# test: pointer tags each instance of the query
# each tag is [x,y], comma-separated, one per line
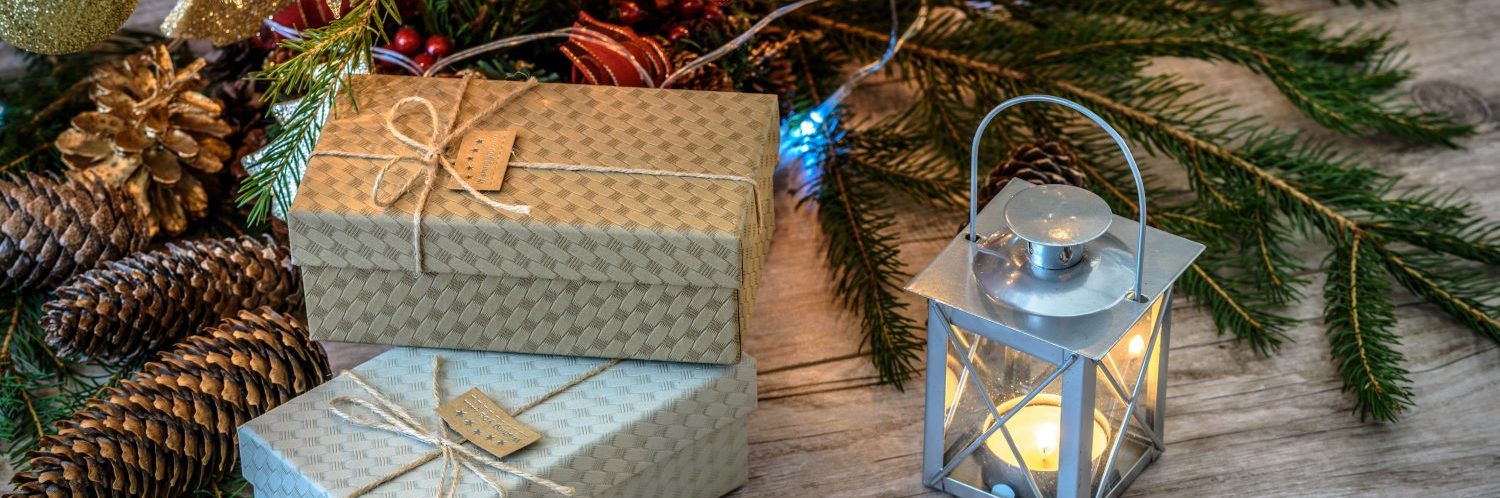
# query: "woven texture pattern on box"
[711,467]
[583,225]
[625,422]
[561,317]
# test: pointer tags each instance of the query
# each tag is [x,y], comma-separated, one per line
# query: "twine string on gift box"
[392,417]
[433,154]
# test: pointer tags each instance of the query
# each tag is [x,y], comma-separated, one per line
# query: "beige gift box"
[654,251]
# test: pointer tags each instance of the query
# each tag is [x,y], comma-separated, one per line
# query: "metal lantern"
[1047,340]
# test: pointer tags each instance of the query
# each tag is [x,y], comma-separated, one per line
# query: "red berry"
[689,8]
[407,41]
[423,61]
[677,32]
[631,13]
[438,46]
[713,13]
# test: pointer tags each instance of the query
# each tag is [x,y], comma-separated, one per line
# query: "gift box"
[650,216]
[627,429]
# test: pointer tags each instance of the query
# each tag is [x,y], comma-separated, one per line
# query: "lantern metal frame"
[1074,344]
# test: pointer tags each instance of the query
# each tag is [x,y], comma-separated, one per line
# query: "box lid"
[584,225]
[594,435]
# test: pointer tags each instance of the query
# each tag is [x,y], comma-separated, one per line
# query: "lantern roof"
[1061,307]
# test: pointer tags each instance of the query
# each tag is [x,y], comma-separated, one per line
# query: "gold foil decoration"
[223,21]
[61,26]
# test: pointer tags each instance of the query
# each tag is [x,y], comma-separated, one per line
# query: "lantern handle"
[1135,171]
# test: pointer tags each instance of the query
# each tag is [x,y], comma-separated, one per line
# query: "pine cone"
[133,306]
[709,77]
[1040,163]
[170,428]
[152,133]
[771,66]
[53,229]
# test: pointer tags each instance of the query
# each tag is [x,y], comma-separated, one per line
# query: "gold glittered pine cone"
[170,427]
[131,307]
[51,228]
[153,132]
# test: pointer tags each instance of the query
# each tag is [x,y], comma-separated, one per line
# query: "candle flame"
[1047,436]
[1137,346]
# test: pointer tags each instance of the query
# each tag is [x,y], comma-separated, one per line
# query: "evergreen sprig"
[1255,190]
[324,58]
[37,388]
[862,253]
[1360,318]
[472,22]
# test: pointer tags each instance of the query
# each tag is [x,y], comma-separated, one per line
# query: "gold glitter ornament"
[223,21]
[61,26]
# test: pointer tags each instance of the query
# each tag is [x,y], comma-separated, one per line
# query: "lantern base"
[1004,270]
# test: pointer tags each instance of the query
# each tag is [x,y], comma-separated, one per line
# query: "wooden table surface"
[1237,424]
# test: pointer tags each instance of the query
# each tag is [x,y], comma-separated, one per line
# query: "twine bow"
[433,154]
[392,417]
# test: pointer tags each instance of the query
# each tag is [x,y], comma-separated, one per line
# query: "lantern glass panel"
[984,377]
[1128,372]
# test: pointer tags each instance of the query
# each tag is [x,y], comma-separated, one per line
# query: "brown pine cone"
[133,306]
[771,65]
[1040,163]
[51,228]
[170,428]
[709,77]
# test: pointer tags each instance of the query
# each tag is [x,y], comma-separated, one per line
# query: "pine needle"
[325,57]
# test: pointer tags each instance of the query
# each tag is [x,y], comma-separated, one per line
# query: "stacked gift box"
[607,318]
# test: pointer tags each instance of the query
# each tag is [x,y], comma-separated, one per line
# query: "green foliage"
[316,74]
[37,388]
[472,22]
[1256,190]
[1360,316]
[862,253]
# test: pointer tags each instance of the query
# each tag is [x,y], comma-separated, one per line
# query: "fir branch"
[1360,316]
[894,161]
[865,263]
[36,387]
[1240,314]
[1463,293]
[1340,97]
[471,22]
[325,58]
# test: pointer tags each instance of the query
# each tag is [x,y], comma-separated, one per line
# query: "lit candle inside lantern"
[1037,431]
[1136,347]
[952,388]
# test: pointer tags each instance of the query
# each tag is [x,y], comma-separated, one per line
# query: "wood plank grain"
[1238,424]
